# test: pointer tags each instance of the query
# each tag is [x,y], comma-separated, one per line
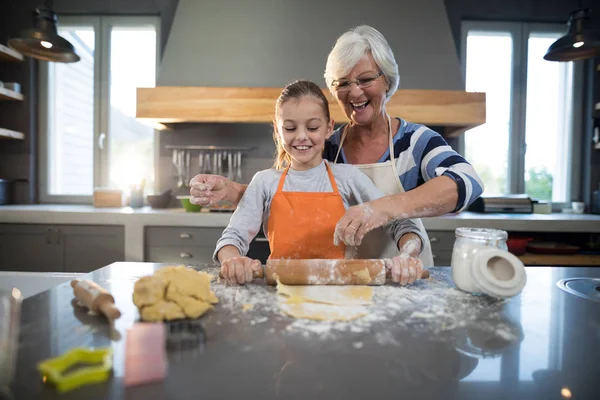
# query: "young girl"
[300,200]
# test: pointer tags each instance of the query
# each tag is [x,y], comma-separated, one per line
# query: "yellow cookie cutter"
[53,369]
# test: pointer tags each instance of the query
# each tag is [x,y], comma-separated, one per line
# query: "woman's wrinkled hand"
[207,190]
[239,269]
[357,222]
[405,269]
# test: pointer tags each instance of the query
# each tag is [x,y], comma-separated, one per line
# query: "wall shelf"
[10,95]
[450,111]
[9,55]
[8,134]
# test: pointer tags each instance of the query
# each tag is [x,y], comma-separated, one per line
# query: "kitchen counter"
[135,221]
[427,341]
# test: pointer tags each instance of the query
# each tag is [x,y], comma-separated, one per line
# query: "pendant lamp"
[42,41]
[579,43]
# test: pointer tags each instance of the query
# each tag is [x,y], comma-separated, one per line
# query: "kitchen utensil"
[95,298]
[552,248]
[10,320]
[105,197]
[517,245]
[145,354]
[161,200]
[325,272]
[98,369]
[189,207]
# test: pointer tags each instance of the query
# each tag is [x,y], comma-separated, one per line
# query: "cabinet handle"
[185,235]
[261,239]
[433,239]
[185,255]
[48,236]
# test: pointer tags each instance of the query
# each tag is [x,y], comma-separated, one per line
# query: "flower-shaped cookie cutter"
[96,366]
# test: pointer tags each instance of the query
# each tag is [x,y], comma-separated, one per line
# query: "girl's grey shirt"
[253,209]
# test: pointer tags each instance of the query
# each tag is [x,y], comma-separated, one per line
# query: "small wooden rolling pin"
[326,272]
[95,298]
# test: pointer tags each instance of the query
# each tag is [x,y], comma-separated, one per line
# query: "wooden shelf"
[454,111]
[560,260]
[9,55]
[8,134]
[10,95]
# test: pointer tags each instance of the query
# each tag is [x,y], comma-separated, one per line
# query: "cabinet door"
[34,248]
[88,248]
[180,255]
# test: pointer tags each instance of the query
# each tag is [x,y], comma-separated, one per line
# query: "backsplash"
[258,137]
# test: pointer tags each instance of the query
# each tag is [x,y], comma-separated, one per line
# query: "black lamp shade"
[578,43]
[43,41]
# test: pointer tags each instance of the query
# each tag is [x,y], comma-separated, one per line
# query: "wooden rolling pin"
[95,298]
[326,272]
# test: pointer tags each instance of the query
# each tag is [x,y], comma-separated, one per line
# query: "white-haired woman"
[414,166]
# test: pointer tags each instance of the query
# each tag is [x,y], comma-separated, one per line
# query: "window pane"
[548,131]
[71,118]
[133,64]
[488,69]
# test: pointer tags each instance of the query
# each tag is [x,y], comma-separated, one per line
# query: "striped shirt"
[422,154]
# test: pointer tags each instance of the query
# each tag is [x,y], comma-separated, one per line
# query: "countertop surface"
[85,214]
[426,341]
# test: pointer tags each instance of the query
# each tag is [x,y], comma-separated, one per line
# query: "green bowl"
[189,207]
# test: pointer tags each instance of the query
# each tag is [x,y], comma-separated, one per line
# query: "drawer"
[442,258]
[441,240]
[182,236]
[180,254]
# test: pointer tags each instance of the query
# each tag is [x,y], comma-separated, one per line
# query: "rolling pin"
[95,298]
[325,272]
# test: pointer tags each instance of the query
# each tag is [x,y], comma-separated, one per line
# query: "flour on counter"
[430,306]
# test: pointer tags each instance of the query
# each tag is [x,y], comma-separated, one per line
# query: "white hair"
[352,46]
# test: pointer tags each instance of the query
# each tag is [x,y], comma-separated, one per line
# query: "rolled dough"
[324,303]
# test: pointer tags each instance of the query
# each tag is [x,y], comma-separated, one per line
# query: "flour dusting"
[432,307]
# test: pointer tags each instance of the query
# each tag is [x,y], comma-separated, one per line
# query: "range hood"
[227,61]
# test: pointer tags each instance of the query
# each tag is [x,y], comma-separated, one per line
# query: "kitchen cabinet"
[60,248]
[441,246]
[187,245]
[10,55]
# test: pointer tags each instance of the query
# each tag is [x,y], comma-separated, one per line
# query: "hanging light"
[578,43]
[42,41]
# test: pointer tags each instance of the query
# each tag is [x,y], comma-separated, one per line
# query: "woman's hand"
[239,269]
[207,190]
[405,268]
[358,221]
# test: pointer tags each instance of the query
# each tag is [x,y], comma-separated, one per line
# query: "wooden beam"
[456,111]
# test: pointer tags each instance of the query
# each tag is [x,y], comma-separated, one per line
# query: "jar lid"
[498,273]
[481,233]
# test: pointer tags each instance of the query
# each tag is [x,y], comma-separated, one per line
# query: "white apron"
[379,243]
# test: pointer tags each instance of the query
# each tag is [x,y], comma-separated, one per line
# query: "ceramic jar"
[481,263]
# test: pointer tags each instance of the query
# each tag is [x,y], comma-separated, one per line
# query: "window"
[527,144]
[89,134]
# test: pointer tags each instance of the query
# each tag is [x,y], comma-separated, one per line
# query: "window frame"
[102,27]
[520,32]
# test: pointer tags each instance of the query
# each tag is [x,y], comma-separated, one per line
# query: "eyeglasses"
[344,85]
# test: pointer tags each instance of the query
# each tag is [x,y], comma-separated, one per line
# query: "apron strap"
[331,179]
[282,180]
[344,131]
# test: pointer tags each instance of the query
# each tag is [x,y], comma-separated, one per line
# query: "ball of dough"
[148,290]
[163,310]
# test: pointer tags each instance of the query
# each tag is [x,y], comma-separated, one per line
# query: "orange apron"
[301,224]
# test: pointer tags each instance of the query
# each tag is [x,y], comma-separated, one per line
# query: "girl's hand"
[239,269]
[207,190]
[358,221]
[405,268]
